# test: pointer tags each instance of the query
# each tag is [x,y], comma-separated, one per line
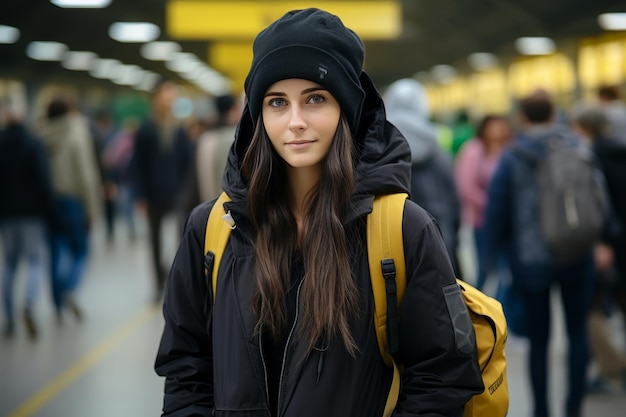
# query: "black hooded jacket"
[214,364]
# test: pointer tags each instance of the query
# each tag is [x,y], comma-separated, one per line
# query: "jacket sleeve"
[437,341]
[184,356]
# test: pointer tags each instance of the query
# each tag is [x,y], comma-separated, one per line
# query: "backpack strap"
[216,237]
[388,275]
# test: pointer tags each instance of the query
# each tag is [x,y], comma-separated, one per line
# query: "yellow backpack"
[388,275]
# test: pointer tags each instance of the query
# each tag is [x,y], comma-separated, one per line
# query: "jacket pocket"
[464,338]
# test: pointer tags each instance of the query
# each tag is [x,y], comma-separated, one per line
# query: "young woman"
[291,331]
[475,166]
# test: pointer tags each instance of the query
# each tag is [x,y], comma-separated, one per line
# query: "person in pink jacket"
[475,165]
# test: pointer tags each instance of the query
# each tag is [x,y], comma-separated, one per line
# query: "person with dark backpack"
[527,189]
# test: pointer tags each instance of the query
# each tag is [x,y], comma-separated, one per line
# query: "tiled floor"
[103,365]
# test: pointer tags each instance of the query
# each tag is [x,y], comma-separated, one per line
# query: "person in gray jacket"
[432,171]
[291,332]
[65,134]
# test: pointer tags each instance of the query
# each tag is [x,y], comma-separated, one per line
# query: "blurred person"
[103,130]
[65,133]
[116,159]
[610,255]
[614,108]
[432,171]
[27,212]
[513,222]
[161,161]
[462,131]
[474,168]
[214,145]
[445,135]
[190,195]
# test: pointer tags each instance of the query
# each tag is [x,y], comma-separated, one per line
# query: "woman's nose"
[296,121]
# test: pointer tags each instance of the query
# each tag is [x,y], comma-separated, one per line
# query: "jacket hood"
[383,164]
[54,133]
[407,109]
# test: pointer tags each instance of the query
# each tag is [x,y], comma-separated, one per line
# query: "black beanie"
[314,45]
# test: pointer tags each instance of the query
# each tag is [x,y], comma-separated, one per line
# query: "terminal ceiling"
[433,32]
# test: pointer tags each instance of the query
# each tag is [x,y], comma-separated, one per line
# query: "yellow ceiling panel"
[210,19]
[232,59]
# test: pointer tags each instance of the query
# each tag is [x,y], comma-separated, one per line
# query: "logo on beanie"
[323,71]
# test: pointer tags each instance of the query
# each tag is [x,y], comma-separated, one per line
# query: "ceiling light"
[9,34]
[104,68]
[79,60]
[127,75]
[159,51]
[134,31]
[46,51]
[148,81]
[481,61]
[535,46]
[81,4]
[443,73]
[612,21]
[182,62]
[423,77]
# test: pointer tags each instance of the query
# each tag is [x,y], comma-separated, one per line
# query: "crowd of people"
[496,173]
[59,173]
[66,172]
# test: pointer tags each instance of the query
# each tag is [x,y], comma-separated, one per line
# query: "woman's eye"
[277,102]
[316,99]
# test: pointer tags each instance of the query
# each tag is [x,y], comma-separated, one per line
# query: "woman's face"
[300,118]
[497,132]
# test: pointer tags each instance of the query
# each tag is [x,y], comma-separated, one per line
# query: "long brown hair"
[329,294]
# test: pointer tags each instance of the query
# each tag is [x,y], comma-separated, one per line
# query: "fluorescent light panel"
[104,67]
[81,4]
[128,75]
[612,21]
[134,31]
[9,34]
[148,81]
[535,46]
[46,51]
[182,62]
[443,72]
[159,51]
[79,60]
[481,61]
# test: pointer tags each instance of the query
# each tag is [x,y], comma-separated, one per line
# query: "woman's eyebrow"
[310,90]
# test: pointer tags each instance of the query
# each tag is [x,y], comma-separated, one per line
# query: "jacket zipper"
[267,392]
[293,327]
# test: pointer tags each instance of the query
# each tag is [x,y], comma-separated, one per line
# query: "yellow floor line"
[80,367]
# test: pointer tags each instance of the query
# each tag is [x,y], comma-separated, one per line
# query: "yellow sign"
[232,59]
[489,93]
[243,20]
[553,73]
[602,61]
